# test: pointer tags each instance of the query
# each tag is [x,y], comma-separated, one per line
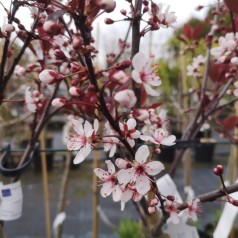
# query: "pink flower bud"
[75,91]
[123,12]
[170,198]
[151,209]
[59,102]
[141,114]
[121,163]
[9,28]
[59,54]
[48,76]
[145,9]
[124,64]
[120,76]
[77,41]
[218,170]
[51,27]
[107,5]
[108,21]
[126,98]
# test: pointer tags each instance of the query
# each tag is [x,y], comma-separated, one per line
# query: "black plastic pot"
[204,152]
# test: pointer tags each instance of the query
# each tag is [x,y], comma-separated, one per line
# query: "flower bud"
[59,54]
[218,170]
[49,76]
[9,28]
[75,91]
[126,98]
[123,12]
[145,9]
[170,198]
[141,114]
[77,41]
[51,27]
[120,76]
[59,102]
[108,21]
[124,64]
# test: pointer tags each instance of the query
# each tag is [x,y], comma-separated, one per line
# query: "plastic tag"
[11,200]
[167,187]
[227,219]
[181,230]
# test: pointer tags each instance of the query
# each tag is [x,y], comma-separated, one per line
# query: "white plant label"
[181,230]
[11,200]
[167,187]
[227,219]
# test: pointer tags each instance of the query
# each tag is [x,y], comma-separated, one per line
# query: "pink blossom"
[141,114]
[226,45]
[144,74]
[158,120]
[167,18]
[120,76]
[9,28]
[195,68]
[48,76]
[109,180]
[128,193]
[192,210]
[126,98]
[140,171]
[82,138]
[160,137]
[171,208]
[129,131]
[110,145]
[59,102]
[33,100]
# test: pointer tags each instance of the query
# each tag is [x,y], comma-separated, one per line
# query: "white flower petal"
[112,150]
[150,91]
[88,129]
[110,166]
[131,142]
[82,154]
[142,184]
[78,127]
[142,154]
[102,174]
[124,176]
[139,61]
[131,123]
[96,125]
[168,141]
[154,167]
[116,194]
[135,134]
[126,195]
[106,189]
[136,77]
